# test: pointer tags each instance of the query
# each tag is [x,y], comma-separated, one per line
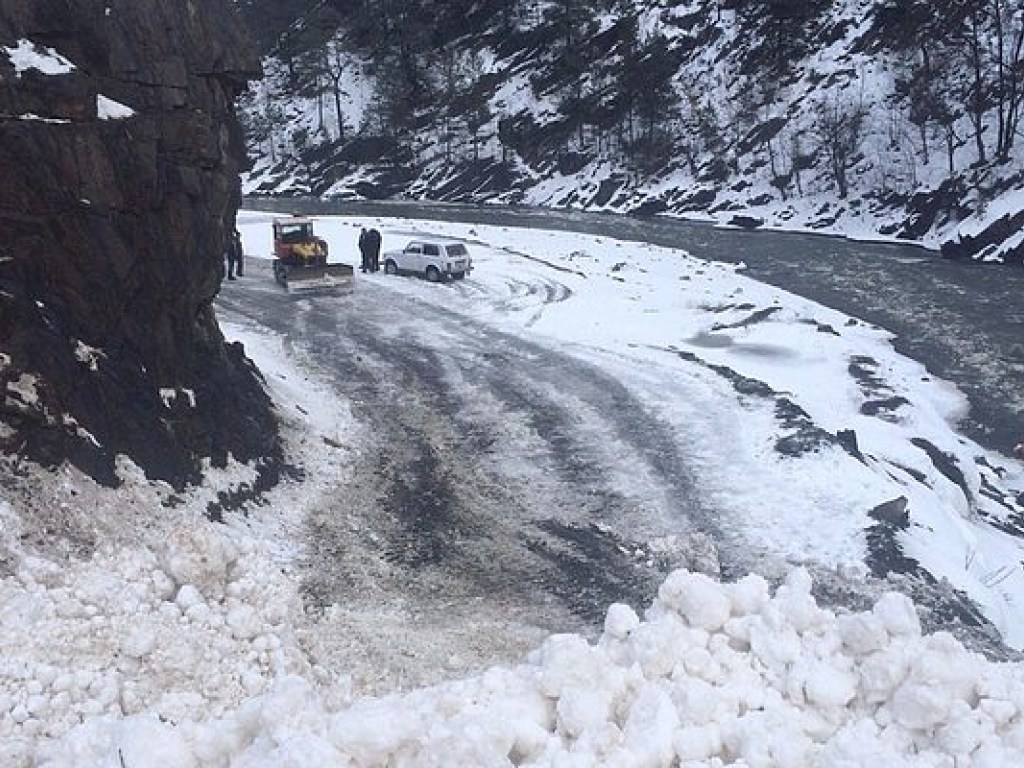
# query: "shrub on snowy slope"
[861,115]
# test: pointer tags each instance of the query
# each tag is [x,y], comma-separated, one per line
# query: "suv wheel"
[433,274]
[390,268]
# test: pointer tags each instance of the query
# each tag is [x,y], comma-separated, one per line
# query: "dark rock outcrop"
[992,242]
[119,153]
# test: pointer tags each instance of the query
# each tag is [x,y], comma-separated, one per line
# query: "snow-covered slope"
[817,136]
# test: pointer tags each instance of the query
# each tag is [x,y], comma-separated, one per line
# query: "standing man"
[233,254]
[236,239]
[373,246]
[364,251]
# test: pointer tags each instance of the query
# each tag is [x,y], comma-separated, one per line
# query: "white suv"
[434,259]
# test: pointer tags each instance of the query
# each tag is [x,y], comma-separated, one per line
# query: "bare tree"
[265,118]
[799,160]
[335,65]
[1008,33]
[839,131]
[969,64]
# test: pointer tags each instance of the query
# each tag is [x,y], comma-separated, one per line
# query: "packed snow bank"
[193,627]
[128,604]
[714,674]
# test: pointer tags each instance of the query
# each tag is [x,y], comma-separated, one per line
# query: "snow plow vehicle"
[300,259]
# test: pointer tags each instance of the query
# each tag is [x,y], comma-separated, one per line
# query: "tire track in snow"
[491,471]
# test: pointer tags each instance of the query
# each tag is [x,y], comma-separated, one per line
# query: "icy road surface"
[491,470]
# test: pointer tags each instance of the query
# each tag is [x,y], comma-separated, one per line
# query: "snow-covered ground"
[133,632]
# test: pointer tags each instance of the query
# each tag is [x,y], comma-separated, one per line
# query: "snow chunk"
[244,622]
[862,633]
[199,555]
[148,741]
[749,595]
[795,600]
[139,642]
[697,598]
[372,729]
[188,597]
[650,728]
[620,621]
[826,684]
[898,616]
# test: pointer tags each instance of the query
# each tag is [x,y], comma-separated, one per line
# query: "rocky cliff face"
[119,154]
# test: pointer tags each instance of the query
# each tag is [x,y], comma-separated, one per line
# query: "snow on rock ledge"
[715,674]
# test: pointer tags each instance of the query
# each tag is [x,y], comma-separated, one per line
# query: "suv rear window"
[457,250]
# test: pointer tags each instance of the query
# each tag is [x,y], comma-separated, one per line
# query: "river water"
[963,321]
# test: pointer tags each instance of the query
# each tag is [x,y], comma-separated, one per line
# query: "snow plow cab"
[300,259]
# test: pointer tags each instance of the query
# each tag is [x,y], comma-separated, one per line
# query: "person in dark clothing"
[364,251]
[236,239]
[233,253]
[373,247]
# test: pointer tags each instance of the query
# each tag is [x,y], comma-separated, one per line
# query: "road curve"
[491,475]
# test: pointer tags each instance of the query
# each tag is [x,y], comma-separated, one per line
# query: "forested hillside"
[869,117]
